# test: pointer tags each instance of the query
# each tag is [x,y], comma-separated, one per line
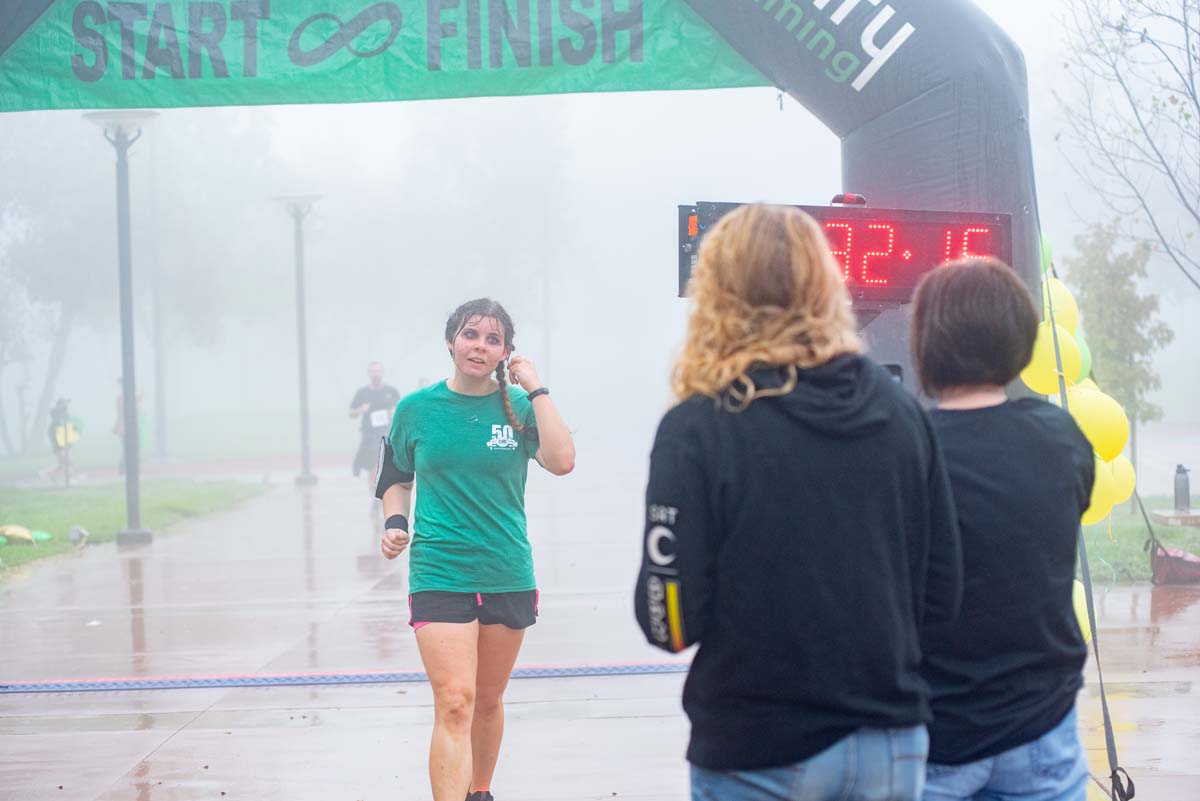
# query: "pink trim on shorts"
[479,598]
[537,597]
[415,626]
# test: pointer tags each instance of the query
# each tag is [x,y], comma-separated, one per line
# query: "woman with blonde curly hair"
[799,527]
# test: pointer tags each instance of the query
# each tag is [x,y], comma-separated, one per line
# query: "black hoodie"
[803,542]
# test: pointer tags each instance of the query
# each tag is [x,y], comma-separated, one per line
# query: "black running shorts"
[517,610]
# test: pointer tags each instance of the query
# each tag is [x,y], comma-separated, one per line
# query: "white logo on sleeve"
[659,553]
[502,439]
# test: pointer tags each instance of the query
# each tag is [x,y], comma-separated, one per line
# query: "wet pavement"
[1150,654]
[292,583]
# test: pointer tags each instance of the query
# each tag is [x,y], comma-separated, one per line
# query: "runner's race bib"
[380,418]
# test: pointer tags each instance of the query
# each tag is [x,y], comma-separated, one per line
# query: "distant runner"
[374,404]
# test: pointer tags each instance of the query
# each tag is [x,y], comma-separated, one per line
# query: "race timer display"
[882,252]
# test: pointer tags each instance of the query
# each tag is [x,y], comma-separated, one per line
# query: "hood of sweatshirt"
[849,396]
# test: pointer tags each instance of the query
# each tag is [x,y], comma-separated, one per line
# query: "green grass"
[255,435]
[1115,545]
[101,510]
[220,436]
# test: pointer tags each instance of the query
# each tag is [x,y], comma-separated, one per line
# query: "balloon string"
[1113,570]
[1048,299]
[1109,736]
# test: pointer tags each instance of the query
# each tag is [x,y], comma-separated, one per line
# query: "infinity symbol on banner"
[346,33]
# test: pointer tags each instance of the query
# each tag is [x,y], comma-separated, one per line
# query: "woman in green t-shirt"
[473,592]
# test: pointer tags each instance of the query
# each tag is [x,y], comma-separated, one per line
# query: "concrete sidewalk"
[292,583]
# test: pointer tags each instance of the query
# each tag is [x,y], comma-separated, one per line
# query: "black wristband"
[397,521]
[537,392]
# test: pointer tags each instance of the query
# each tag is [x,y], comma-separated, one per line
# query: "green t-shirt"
[469,524]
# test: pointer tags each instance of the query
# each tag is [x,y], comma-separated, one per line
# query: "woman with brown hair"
[1004,676]
[467,441]
[799,527]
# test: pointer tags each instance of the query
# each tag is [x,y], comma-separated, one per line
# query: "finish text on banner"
[97,54]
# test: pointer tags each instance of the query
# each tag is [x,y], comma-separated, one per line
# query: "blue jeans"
[1050,768]
[869,765]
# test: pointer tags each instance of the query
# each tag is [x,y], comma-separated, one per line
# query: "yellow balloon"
[1066,310]
[1102,419]
[1041,374]
[1102,494]
[1124,479]
[1079,601]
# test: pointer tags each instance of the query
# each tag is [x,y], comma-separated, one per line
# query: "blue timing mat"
[308,679]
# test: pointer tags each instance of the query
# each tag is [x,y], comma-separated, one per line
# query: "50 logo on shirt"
[502,439]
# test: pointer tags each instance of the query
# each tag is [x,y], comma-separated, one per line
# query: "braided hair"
[478,309]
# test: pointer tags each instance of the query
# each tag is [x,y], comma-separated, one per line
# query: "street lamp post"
[298,207]
[122,129]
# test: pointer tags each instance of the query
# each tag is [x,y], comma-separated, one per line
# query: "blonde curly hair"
[766,291]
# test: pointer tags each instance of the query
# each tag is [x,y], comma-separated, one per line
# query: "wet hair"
[476,310]
[766,292]
[973,323]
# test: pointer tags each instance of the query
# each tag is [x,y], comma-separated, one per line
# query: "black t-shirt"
[383,399]
[803,542]
[1008,669]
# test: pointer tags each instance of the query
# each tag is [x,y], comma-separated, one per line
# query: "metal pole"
[133,534]
[158,332]
[160,365]
[299,212]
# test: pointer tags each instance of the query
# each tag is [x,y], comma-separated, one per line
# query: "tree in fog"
[195,202]
[1123,329]
[56,265]
[206,185]
[1132,114]
[17,315]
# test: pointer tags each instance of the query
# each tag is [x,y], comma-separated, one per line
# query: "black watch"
[537,392]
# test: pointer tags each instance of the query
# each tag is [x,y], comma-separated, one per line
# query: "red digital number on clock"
[880,253]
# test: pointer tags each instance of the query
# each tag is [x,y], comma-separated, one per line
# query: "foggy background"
[561,207]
